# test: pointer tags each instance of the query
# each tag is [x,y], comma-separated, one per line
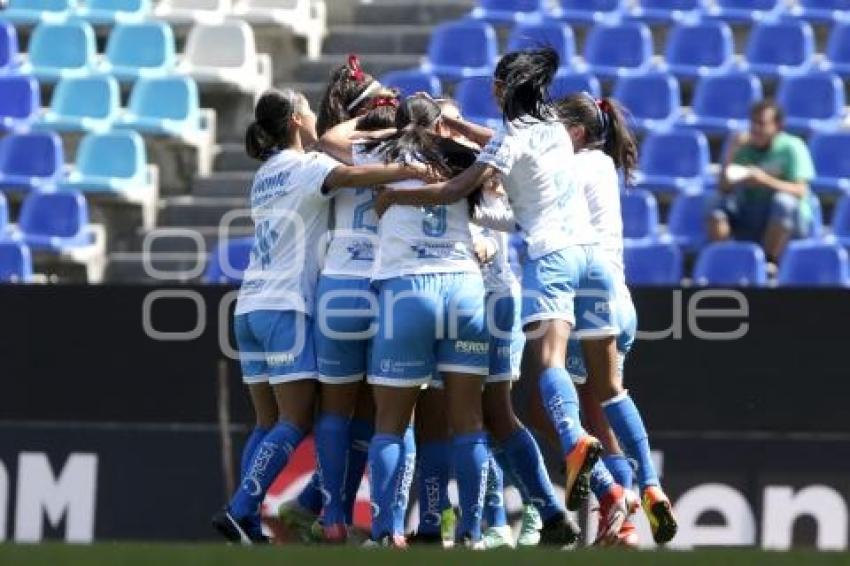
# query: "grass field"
[122,554]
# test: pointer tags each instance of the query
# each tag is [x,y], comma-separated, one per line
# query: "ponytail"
[347,92]
[526,76]
[272,125]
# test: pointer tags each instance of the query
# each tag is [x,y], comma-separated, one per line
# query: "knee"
[784,209]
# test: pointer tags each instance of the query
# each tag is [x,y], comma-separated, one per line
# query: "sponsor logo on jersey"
[283,359]
[470,347]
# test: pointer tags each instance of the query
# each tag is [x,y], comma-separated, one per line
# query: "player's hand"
[425,173]
[485,250]
[383,200]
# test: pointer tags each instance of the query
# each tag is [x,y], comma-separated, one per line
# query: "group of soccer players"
[380,311]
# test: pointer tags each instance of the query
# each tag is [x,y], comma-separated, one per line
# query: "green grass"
[125,554]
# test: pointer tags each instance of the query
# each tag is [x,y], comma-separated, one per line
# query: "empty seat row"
[99,12]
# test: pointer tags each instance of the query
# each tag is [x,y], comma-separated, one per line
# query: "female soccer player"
[531,153]
[273,322]
[604,144]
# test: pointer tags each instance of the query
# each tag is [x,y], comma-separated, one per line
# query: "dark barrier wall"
[101,425]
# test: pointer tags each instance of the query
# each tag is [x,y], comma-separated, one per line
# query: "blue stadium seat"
[114,161]
[85,104]
[228,261]
[8,47]
[780,48]
[31,12]
[838,50]
[745,11]
[475,97]
[736,264]
[831,154]
[412,81]
[139,50]
[653,263]
[841,221]
[112,12]
[54,221]
[165,106]
[821,11]
[509,11]
[462,49]
[816,228]
[652,99]
[666,11]
[30,161]
[590,11]
[61,50]
[566,84]
[812,103]
[552,34]
[20,102]
[722,103]
[673,162]
[15,262]
[618,50]
[686,223]
[814,263]
[699,49]
[4,216]
[640,214]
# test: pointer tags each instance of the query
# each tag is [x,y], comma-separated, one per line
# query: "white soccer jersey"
[494,219]
[536,161]
[290,215]
[596,174]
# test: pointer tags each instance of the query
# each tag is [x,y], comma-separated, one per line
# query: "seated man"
[764,185]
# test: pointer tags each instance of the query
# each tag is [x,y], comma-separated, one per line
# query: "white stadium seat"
[190,12]
[305,18]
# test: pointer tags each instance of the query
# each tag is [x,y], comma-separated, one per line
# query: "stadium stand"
[666,11]
[83,104]
[653,100]
[686,221]
[20,102]
[780,48]
[187,13]
[61,50]
[699,48]
[8,48]
[841,221]
[15,262]
[112,12]
[462,49]
[30,161]
[819,11]
[31,12]
[4,216]
[837,57]
[812,263]
[813,103]
[566,83]
[831,154]
[139,50]
[586,12]
[640,215]
[745,11]
[413,81]
[673,162]
[304,18]
[652,263]
[228,261]
[618,49]
[552,34]
[475,97]
[737,264]
[721,103]
[509,11]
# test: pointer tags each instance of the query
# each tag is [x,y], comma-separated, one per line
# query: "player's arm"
[479,134]
[759,176]
[724,184]
[338,142]
[374,174]
[445,192]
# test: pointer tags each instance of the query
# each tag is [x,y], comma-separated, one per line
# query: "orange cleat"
[628,536]
[613,512]
[578,464]
[658,510]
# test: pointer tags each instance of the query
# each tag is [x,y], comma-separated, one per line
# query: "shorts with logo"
[275,346]
[506,337]
[344,318]
[625,317]
[427,324]
[573,284]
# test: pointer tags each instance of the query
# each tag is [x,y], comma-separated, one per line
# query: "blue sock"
[405,480]
[561,402]
[332,433]
[250,446]
[494,500]
[385,454]
[433,470]
[601,480]
[358,454]
[310,497]
[508,471]
[523,453]
[270,457]
[624,418]
[621,469]
[470,455]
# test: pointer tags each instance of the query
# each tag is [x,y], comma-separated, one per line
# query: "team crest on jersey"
[362,251]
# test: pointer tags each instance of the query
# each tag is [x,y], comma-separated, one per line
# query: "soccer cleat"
[628,536]
[448,525]
[529,530]
[613,512]
[561,531]
[300,521]
[498,537]
[660,514]
[578,464]
[242,531]
[387,541]
[470,544]
[335,534]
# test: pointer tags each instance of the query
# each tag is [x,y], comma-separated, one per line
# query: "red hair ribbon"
[354,67]
[380,101]
[603,105]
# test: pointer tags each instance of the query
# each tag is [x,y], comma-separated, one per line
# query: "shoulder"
[791,142]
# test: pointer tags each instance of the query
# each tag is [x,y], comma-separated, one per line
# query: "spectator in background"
[764,185]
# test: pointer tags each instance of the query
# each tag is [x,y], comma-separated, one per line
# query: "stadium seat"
[745,11]
[820,11]
[15,262]
[463,49]
[666,11]
[30,161]
[475,97]
[226,54]
[686,223]
[653,100]
[816,227]
[566,84]
[20,102]
[814,263]
[412,81]
[586,12]
[228,261]
[303,18]
[190,12]
[166,106]
[509,12]
[112,12]
[32,12]
[114,161]
[640,214]
[737,264]
[838,50]
[85,104]
[653,263]
[54,221]
[722,103]
[4,215]
[780,48]
[841,221]
[699,49]
[617,50]
[831,154]
[139,50]
[61,50]
[812,103]
[8,47]
[673,162]
[552,34]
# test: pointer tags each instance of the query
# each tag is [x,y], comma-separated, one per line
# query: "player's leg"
[362,429]
[498,533]
[433,463]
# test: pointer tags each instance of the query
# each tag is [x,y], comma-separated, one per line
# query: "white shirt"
[536,162]
[494,219]
[290,215]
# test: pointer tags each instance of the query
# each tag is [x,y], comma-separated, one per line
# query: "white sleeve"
[317,170]
[495,213]
[503,150]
